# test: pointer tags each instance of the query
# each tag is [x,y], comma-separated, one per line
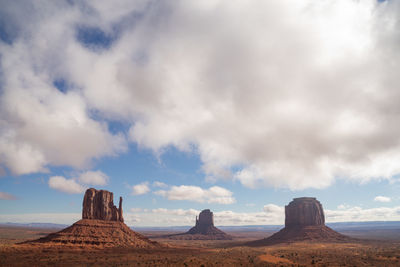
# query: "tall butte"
[99,205]
[204,229]
[102,225]
[304,221]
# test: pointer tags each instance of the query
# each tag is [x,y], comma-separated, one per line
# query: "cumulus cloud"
[179,212]
[271,215]
[62,184]
[356,214]
[40,125]
[161,217]
[343,206]
[140,189]
[272,208]
[7,196]
[295,94]
[382,199]
[93,178]
[180,217]
[78,184]
[214,194]
[159,184]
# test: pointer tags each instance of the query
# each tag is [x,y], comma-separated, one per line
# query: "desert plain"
[379,247]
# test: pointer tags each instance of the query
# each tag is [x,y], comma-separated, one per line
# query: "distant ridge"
[35,225]
[338,226]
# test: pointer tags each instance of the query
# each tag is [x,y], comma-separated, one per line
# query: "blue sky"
[178,107]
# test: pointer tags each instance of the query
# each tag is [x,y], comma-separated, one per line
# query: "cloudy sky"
[178,106]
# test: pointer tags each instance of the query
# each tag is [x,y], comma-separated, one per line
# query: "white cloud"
[62,184]
[135,210]
[161,217]
[7,196]
[272,208]
[159,184]
[42,126]
[180,217]
[140,189]
[343,206]
[78,184]
[359,214]
[312,100]
[179,212]
[214,194]
[49,128]
[382,199]
[93,178]
[271,215]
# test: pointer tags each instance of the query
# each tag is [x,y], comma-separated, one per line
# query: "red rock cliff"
[304,211]
[99,205]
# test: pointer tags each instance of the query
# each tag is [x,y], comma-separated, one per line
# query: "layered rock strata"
[99,234]
[204,229]
[101,226]
[99,205]
[304,221]
[304,211]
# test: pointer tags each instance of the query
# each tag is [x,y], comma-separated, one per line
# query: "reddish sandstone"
[101,226]
[99,205]
[304,221]
[204,229]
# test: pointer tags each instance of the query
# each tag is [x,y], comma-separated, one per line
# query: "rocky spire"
[121,218]
[99,205]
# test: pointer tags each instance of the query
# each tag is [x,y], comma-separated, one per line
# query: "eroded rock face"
[304,221]
[304,211]
[204,228]
[99,205]
[101,226]
[206,218]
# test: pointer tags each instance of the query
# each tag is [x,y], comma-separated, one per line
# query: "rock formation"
[204,229]
[304,221]
[101,226]
[204,223]
[99,204]
[304,211]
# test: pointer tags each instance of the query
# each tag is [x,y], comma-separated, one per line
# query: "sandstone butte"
[203,230]
[102,225]
[304,221]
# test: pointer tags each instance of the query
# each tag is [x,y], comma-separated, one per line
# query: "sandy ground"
[199,253]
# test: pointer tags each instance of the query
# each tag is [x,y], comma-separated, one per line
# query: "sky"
[180,106]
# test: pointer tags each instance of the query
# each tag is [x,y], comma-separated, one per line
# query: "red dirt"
[320,233]
[97,233]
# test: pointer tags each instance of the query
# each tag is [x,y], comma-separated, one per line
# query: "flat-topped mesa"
[304,211]
[99,205]
[304,221]
[206,218]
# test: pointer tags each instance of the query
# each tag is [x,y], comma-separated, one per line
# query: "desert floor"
[367,251]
